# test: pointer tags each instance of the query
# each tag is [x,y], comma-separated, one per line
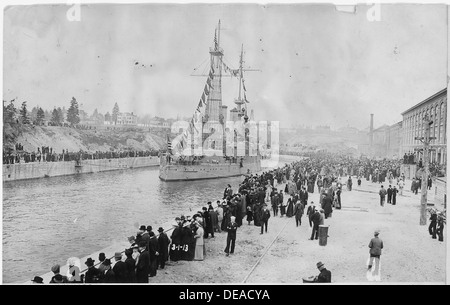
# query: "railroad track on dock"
[265,252]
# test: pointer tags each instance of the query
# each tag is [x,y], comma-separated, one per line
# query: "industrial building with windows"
[413,126]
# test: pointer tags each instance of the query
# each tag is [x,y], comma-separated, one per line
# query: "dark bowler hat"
[160,229]
[38,279]
[319,264]
[101,256]
[89,262]
[149,228]
[142,228]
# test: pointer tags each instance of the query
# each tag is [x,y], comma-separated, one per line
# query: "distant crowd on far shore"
[48,154]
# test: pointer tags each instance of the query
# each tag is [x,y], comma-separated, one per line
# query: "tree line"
[57,117]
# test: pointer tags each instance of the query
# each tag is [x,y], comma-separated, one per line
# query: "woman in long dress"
[199,241]
[290,207]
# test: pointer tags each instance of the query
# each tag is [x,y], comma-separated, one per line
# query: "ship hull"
[179,172]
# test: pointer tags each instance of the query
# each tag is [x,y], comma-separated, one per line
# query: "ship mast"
[239,101]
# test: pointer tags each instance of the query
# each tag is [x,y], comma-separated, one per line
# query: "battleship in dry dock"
[212,147]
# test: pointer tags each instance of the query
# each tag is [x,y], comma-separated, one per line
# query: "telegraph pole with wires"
[425,170]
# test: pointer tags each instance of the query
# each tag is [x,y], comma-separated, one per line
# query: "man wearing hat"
[102,267]
[143,264]
[145,236]
[120,269]
[108,275]
[58,278]
[375,245]
[37,280]
[324,275]
[265,215]
[315,219]
[163,242]
[231,236]
[92,274]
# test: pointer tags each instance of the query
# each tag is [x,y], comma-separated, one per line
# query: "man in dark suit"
[231,236]
[163,243]
[324,275]
[153,251]
[92,274]
[144,236]
[310,212]
[327,206]
[108,275]
[228,192]
[315,219]
[120,269]
[304,196]
[394,195]
[143,265]
[298,212]
[265,215]
[389,194]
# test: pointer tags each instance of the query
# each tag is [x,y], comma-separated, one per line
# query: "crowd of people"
[255,201]
[47,154]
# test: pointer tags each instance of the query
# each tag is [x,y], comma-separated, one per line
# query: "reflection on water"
[45,221]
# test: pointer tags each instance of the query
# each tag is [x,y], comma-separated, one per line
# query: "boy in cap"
[375,245]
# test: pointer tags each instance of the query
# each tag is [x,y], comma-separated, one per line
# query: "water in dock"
[46,221]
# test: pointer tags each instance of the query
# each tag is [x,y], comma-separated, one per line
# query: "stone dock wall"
[23,171]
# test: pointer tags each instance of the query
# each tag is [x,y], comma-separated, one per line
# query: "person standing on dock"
[389,194]
[401,185]
[231,236]
[102,266]
[120,269]
[57,277]
[298,212]
[375,245]
[174,252]
[382,194]
[219,211]
[163,241]
[199,241]
[143,264]
[228,192]
[394,195]
[145,235]
[265,215]
[153,250]
[315,219]
[130,263]
[92,275]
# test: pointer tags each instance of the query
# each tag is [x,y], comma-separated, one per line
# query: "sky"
[318,66]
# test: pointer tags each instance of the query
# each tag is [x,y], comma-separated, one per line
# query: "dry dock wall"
[23,171]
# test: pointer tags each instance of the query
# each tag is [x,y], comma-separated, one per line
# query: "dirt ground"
[410,255]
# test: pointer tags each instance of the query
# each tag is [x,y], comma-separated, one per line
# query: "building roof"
[443,91]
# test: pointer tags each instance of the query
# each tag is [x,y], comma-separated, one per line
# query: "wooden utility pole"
[425,171]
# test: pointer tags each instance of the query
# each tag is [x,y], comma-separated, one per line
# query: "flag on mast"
[169,145]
